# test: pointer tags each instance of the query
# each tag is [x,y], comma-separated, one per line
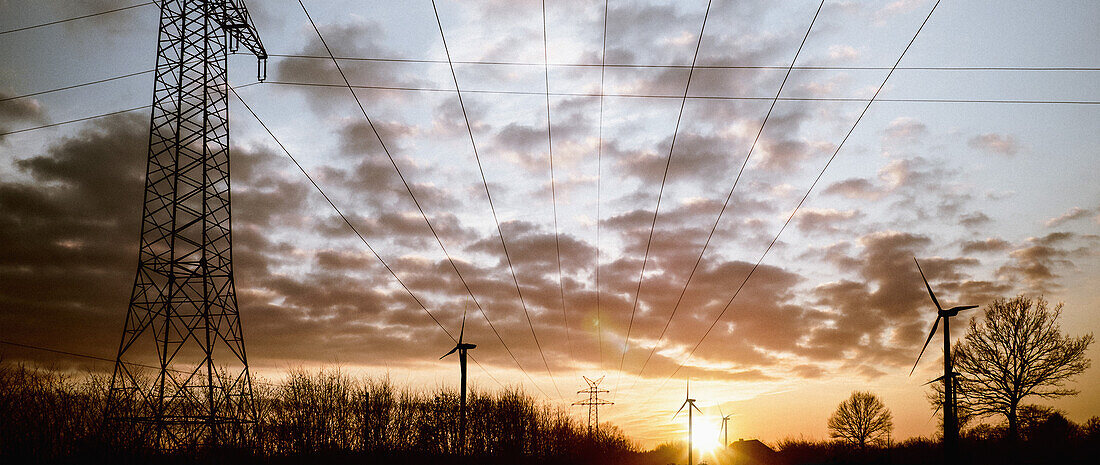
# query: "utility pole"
[593,403]
[183,308]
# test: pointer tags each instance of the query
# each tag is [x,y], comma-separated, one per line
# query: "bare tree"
[1017,351]
[861,419]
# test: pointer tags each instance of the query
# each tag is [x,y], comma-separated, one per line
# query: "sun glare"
[706,435]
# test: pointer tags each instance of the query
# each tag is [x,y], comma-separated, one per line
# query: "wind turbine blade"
[933,381]
[678,411]
[720,412]
[933,294]
[463,330]
[935,412]
[962,307]
[696,408]
[930,334]
[449,353]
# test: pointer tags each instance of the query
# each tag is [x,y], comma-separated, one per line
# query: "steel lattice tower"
[593,403]
[183,308]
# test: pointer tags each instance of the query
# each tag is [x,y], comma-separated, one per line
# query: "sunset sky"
[995,199]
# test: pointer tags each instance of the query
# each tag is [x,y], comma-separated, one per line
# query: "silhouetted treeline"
[330,417]
[1047,437]
[47,417]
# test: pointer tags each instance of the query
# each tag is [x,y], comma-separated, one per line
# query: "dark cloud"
[1037,262]
[24,110]
[876,321]
[71,235]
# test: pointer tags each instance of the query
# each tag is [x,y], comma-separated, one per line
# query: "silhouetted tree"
[1017,351]
[861,419]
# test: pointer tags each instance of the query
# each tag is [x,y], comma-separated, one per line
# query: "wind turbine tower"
[690,404]
[461,348]
[182,315]
[950,417]
[593,403]
[725,427]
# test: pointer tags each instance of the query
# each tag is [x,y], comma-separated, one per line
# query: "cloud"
[1037,261]
[974,219]
[895,8]
[71,235]
[1001,144]
[356,39]
[815,220]
[855,188]
[1073,214]
[992,244]
[875,321]
[905,129]
[19,110]
[839,53]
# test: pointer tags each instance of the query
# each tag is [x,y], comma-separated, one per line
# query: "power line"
[74,86]
[75,18]
[736,180]
[86,118]
[660,193]
[804,197]
[77,120]
[697,97]
[351,226]
[485,183]
[599,187]
[142,365]
[599,95]
[710,66]
[108,360]
[553,188]
[413,196]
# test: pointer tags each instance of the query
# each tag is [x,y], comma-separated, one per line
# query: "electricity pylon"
[593,402]
[183,309]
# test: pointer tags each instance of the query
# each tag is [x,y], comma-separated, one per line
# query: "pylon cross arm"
[238,24]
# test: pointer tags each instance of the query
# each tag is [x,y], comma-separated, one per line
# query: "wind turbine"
[725,428]
[954,376]
[950,422]
[690,403]
[462,348]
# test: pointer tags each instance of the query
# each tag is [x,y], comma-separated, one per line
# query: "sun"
[705,435]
